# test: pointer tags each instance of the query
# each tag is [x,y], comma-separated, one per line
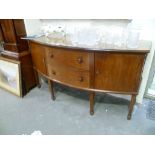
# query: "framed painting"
[10,76]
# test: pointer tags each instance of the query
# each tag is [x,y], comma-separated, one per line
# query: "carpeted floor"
[69,114]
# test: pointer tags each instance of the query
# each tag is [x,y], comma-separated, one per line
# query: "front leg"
[132,103]
[91,100]
[51,88]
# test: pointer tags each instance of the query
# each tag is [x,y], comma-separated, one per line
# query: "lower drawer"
[69,76]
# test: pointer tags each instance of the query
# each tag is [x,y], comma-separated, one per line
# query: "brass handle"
[53,72]
[81,79]
[80,60]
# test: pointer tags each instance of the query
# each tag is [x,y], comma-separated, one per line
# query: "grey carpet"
[151,110]
[69,114]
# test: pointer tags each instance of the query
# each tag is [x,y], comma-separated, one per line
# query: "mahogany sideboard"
[94,70]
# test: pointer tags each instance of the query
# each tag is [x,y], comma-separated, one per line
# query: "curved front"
[67,66]
[107,71]
[38,57]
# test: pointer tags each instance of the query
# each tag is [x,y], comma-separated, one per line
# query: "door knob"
[97,72]
[51,55]
[53,72]
[80,60]
[81,79]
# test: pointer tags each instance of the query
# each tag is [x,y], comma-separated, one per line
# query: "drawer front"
[69,76]
[68,58]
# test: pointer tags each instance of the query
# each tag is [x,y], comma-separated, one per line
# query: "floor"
[69,114]
[151,90]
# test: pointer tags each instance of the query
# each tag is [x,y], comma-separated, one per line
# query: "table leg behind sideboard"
[37,78]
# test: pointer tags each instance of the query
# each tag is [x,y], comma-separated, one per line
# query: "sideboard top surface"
[143,47]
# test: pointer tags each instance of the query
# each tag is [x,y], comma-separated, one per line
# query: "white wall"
[33,26]
[148,33]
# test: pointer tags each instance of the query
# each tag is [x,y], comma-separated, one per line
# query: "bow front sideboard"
[91,69]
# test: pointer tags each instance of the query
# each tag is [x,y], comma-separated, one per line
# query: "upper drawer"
[67,57]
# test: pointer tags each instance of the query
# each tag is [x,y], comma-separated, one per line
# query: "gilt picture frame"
[10,76]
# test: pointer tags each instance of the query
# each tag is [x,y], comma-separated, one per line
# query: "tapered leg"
[37,79]
[132,103]
[51,88]
[91,100]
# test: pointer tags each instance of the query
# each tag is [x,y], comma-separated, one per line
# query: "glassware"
[109,37]
[133,36]
[117,36]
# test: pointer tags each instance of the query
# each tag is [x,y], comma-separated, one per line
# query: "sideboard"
[92,69]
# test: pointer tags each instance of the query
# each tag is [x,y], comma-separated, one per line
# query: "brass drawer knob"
[53,72]
[80,60]
[81,79]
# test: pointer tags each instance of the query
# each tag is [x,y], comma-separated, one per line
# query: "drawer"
[68,58]
[69,76]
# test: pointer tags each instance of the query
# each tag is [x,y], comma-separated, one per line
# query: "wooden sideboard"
[108,71]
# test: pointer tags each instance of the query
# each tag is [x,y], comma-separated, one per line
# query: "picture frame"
[10,76]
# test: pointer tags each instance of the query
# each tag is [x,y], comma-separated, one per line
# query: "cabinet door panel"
[118,71]
[38,57]
[8,31]
[1,36]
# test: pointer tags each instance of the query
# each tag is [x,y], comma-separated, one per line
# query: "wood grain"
[69,76]
[118,71]
[71,58]
[17,49]
[38,57]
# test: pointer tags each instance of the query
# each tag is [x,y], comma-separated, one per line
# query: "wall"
[147,33]
[33,26]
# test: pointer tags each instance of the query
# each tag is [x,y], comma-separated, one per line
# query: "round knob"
[97,72]
[80,60]
[53,72]
[81,79]
[51,55]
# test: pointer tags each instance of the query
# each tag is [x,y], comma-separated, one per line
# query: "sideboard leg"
[91,100]
[51,88]
[133,99]
[37,79]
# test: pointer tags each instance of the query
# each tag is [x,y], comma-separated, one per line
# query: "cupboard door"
[119,72]
[38,57]
[9,35]
[8,31]
[20,32]
[1,36]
